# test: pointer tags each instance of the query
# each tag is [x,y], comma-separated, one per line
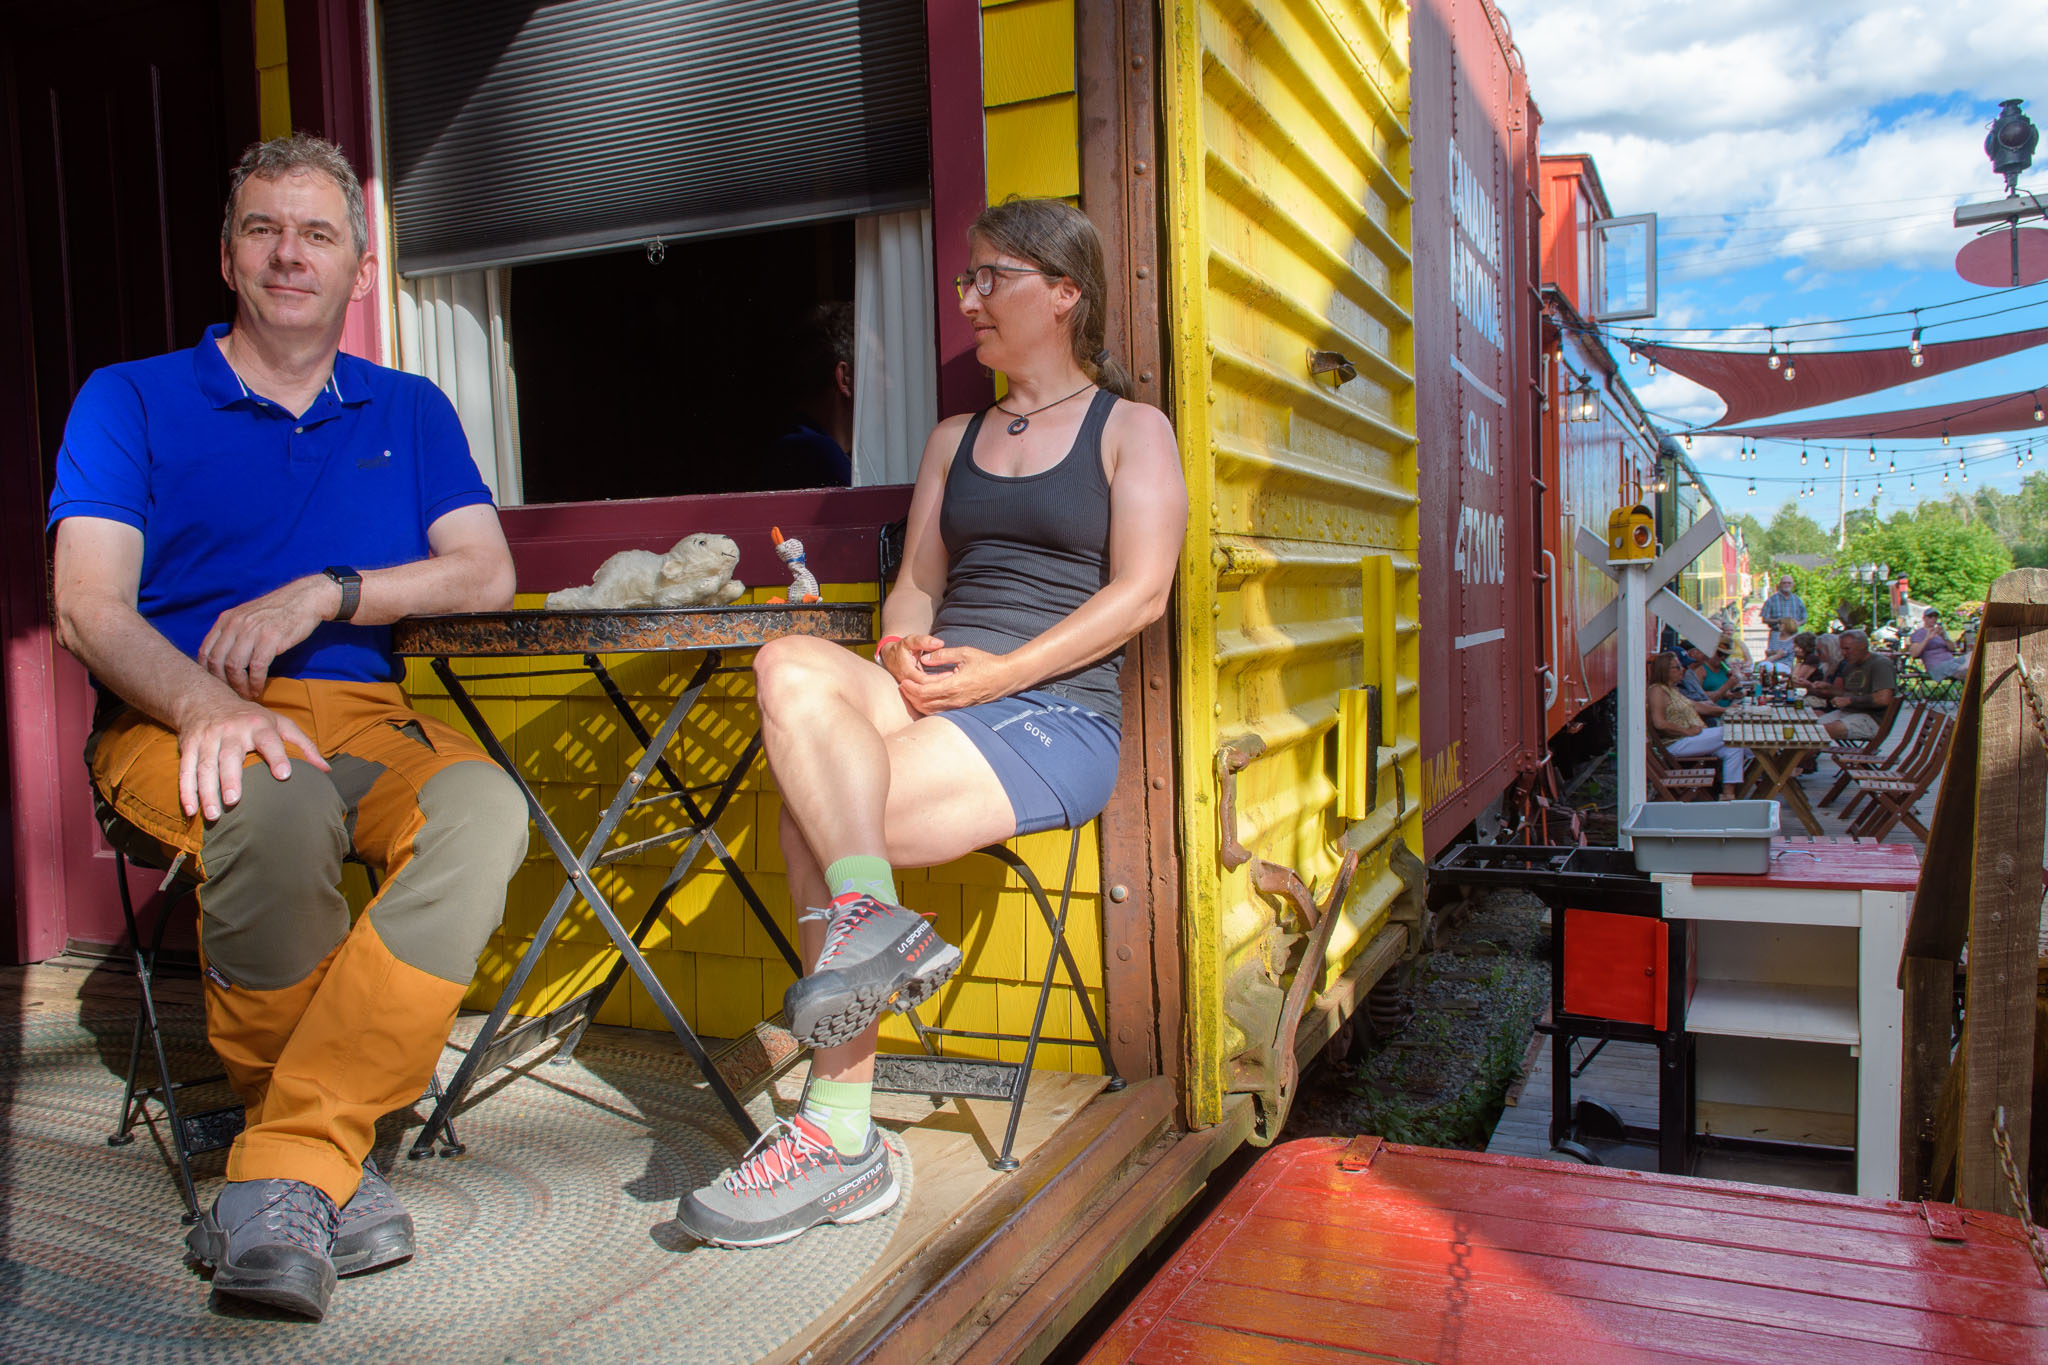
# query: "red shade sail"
[2020,411]
[1749,386]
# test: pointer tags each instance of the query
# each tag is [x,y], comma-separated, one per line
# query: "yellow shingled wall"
[273,91]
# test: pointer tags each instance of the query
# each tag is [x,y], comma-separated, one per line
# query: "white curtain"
[452,330]
[895,378]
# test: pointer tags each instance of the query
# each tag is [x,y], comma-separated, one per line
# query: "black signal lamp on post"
[2010,143]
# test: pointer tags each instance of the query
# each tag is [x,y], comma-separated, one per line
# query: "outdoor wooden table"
[1781,737]
[706,632]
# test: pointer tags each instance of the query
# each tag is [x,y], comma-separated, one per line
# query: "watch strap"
[351,590]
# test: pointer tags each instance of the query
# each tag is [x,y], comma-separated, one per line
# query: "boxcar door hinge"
[1360,1152]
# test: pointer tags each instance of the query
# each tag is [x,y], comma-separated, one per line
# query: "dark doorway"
[120,121]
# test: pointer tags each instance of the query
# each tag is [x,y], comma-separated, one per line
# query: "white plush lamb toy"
[697,571]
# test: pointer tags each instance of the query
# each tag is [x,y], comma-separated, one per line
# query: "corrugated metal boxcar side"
[1481,644]
[1287,167]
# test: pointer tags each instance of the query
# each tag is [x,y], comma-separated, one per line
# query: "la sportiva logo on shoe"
[916,943]
[855,1190]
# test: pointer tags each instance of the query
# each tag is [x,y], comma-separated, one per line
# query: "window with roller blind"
[613,225]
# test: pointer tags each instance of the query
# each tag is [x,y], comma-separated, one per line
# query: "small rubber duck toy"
[803,587]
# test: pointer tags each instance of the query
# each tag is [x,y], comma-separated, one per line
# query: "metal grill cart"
[1619,971]
[705,632]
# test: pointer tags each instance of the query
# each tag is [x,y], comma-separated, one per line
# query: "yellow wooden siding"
[273,89]
[1031,121]
[1288,227]
[1027,50]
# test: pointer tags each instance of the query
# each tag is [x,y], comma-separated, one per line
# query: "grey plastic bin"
[1703,836]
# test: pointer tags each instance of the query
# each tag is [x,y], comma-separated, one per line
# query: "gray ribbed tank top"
[1022,553]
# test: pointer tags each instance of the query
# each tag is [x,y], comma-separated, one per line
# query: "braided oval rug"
[552,1239]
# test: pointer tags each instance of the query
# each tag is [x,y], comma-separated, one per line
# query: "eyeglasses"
[984,277]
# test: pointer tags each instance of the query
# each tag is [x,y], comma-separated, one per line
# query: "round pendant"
[1016,428]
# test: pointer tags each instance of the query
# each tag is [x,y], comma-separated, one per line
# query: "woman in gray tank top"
[1043,534]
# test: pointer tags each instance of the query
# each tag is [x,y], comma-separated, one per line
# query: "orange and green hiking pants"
[326,1027]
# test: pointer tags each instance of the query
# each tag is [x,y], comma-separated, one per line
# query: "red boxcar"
[1590,467]
[1477,315]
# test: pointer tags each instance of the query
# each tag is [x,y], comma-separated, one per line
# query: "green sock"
[865,873]
[841,1109]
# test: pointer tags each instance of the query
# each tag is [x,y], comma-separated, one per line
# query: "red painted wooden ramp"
[1328,1252]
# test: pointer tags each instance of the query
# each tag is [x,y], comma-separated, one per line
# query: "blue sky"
[1805,160]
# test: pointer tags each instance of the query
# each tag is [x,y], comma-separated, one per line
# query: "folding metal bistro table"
[706,632]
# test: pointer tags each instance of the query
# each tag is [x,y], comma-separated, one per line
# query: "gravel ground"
[1438,1078]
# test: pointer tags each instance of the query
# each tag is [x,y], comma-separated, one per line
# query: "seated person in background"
[1692,665]
[1860,692]
[1676,723]
[813,449]
[1043,534]
[1935,651]
[1805,658]
[249,728]
[1722,675]
[1827,649]
[1778,652]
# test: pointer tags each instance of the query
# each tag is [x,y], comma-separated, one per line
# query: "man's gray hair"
[282,156]
[1859,636]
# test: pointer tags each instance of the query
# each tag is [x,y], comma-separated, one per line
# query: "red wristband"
[884,643]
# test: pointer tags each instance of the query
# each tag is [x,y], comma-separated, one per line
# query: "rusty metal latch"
[1332,362]
[1280,1072]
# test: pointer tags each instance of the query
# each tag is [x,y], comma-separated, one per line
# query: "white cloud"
[1838,132]
[1672,68]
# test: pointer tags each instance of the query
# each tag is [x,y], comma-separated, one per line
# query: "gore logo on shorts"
[1041,736]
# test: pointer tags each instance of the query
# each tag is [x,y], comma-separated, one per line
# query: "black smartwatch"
[351,590]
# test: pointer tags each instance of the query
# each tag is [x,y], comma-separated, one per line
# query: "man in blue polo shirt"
[237,526]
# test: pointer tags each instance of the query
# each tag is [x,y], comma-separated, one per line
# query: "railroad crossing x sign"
[1668,607]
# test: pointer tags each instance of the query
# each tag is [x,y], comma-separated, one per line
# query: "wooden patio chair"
[1902,762]
[1855,760]
[1892,794]
[1679,779]
[1876,741]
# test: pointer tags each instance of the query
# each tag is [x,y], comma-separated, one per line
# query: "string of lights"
[1814,482]
[1839,322]
[1633,341]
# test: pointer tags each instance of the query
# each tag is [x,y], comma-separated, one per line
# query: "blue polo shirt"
[235,496]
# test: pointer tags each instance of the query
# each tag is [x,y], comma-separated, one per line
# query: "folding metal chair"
[980,1078]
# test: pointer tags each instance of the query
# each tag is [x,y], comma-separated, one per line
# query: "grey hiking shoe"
[374,1229]
[268,1241]
[876,956]
[789,1182]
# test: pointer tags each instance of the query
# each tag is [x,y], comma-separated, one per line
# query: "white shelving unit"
[1796,1004]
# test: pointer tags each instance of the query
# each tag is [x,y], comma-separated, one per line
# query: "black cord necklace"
[1022,420]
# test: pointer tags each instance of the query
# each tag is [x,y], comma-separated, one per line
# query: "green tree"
[1753,533]
[1792,532]
[1948,561]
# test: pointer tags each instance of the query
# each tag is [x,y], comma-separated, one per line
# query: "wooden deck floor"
[1079,1147]
[1330,1251]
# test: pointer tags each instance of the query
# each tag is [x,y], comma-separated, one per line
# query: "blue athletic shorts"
[1055,758]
